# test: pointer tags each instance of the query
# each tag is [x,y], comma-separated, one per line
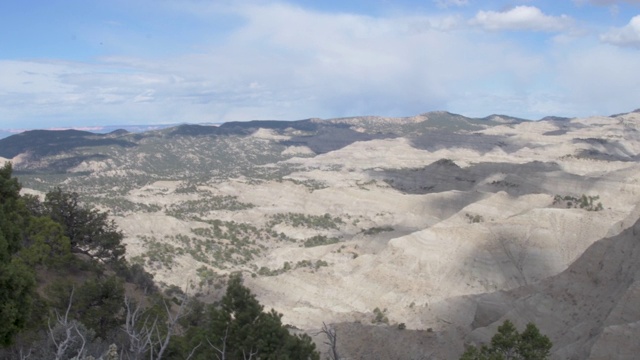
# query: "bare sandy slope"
[590,310]
[433,258]
[451,258]
[521,239]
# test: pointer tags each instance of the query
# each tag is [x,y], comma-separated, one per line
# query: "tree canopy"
[238,328]
[90,231]
[509,344]
[16,278]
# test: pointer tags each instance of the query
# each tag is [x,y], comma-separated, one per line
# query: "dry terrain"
[445,224]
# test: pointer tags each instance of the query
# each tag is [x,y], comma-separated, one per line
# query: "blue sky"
[71,63]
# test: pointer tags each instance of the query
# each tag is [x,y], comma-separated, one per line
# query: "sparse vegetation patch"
[287,266]
[474,219]
[379,316]
[320,240]
[504,184]
[323,222]
[376,230]
[585,202]
[205,205]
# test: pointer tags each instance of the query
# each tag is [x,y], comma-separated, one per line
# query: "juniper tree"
[16,278]
[509,344]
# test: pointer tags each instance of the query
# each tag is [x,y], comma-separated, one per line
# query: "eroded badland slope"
[446,224]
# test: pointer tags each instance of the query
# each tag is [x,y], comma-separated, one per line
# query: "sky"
[75,63]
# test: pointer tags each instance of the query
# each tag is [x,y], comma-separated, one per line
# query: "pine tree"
[508,344]
[238,328]
[90,232]
[16,279]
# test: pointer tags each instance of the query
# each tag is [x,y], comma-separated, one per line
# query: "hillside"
[443,222]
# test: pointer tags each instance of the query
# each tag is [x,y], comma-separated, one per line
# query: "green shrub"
[508,343]
[379,316]
[320,240]
[585,202]
[377,230]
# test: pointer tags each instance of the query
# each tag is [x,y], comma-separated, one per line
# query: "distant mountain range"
[64,149]
[98,129]
[150,127]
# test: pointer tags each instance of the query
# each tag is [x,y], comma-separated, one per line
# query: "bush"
[379,316]
[376,230]
[509,344]
[319,240]
[585,202]
[137,275]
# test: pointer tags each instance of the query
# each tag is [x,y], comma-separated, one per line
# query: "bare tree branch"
[81,351]
[332,340]
[140,340]
[223,351]
[171,324]
[23,356]
[193,351]
[251,354]
[62,346]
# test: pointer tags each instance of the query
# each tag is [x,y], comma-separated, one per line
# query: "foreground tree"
[97,303]
[16,278]
[44,243]
[239,329]
[90,231]
[508,344]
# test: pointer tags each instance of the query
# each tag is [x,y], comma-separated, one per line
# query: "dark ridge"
[555,118]
[443,120]
[245,127]
[441,113]
[303,125]
[51,142]
[62,166]
[512,119]
[205,130]
[194,130]
[636,111]
[331,138]
[119,132]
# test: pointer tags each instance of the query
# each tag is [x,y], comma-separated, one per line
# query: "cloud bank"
[627,36]
[521,18]
[282,61]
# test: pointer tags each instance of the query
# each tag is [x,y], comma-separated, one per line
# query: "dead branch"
[332,340]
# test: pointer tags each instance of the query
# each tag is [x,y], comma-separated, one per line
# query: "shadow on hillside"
[445,175]
[368,341]
[332,138]
[40,143]
[573,307]
[438,140]
[62,165]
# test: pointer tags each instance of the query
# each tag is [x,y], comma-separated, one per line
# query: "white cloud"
[286,62]
[521,18]
[306,64]
[627,36]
